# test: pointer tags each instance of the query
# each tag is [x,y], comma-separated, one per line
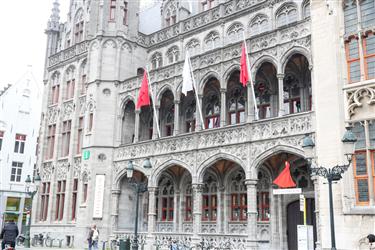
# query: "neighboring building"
[20,107]
[214,185]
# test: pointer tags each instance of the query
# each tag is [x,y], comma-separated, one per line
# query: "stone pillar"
[114,213]
[250,104]
[251,213]
[151,210]
[197,208]
[155,120]
[176,129]
[368,159]
[175,210]
[223,108]
[280,78]
[136,127]
[222,210]
[197,115]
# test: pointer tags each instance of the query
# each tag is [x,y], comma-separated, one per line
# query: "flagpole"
[196,94]
[153,103]
[251,78]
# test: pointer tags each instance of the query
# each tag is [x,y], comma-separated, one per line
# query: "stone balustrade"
[68,53]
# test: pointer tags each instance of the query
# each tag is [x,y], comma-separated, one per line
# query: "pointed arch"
[204,79]
[257,162]
[294,50]
[230,70]
[154,178]
[162,90]
[214,158]
[122,174]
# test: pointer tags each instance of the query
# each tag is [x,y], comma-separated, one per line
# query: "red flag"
[244,73]
[143,96]
[284,180]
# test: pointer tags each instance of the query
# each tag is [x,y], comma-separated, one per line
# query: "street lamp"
[331,174]
[140,187]
[30,193]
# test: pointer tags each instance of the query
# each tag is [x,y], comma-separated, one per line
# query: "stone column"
[136,127]
[251,213]
[155,120]
[197,208]
[250,104]
[151,210]
[223,108]
[280,78]
[175,210]
[197,115]
[176,129]
[114,214]
[368,159]
[221,211]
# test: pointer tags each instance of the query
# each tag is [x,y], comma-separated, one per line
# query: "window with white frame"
[78,27]
[235,33]
[55,88]
[259,24]
[156,60]
[360,39]
[65,133]
[170,14]
[16,172]
[173,54]
[286,14]
[363,161]
[212,40]
[208,4]
[70,83]
[19,145]
[193,46]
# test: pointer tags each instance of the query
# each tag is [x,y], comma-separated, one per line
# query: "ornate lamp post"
[140,187]
[30,193]
[331,174]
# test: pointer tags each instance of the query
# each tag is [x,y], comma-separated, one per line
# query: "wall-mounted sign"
[287,191]
[99,196]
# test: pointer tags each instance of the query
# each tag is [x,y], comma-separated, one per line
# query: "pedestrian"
[93,238]
[9,234]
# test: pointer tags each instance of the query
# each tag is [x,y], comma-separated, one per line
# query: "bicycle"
[20,240]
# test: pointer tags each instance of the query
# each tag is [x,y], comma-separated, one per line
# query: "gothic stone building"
[313,69]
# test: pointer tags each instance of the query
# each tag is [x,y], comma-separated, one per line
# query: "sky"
[23,42]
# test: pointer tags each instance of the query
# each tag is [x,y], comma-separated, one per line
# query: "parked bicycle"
[20,241]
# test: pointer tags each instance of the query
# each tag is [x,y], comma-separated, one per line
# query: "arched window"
[286,14]
[156,60]
[238,197]
[263,196]
[83,77]
[55,82]
[212,40]
[266,92]
[306,9]
[209,199]
[170,13]
[188,203]
[167,113]
[236,99]
[128,123]
[78,26]
[208,4]
[212,111]
[236,106]
[165,200]
[173,54]
[297,85]
[235,33]
[70,83]
[259,24]
[190,115]
[145,123]
[193,46]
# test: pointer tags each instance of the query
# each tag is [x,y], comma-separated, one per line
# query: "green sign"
[86,155]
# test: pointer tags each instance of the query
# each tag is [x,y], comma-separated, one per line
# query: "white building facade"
[206,187]
[20,108]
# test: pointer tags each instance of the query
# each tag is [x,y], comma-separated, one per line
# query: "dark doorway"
[295,217]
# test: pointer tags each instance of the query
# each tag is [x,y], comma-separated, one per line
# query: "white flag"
[187,81]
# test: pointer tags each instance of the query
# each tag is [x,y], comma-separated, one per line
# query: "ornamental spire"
[54,20]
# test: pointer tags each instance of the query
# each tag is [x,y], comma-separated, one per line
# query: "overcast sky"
[23,42]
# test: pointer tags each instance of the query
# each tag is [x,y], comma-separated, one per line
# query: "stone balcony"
[245,141]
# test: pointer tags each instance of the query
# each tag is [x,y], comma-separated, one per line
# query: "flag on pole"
[284,180]
[244,72]
[187,81]
[143,96]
